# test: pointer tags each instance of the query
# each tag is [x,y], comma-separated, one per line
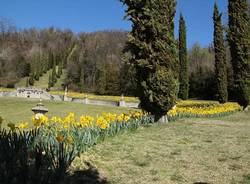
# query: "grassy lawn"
[214,151]
[18,109]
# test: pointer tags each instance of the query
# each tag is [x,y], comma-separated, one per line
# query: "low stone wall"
[36,94]
[132,105]
[8,94]
[102,102]
[33,93]
[57,97]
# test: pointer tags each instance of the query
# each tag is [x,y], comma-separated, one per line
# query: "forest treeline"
[93,62]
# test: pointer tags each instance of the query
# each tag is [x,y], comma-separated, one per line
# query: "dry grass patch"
[187,151]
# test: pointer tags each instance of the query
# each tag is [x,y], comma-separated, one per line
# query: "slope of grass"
[43,81]
[21,83]
[190,151]
[18,109]
[60,81]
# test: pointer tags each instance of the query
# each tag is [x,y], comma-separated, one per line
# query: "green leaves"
[239,40]
[153,49]
[220,57]
[183,66]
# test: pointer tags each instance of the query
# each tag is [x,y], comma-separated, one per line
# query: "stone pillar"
[122,102]
[65,94]
[86,100]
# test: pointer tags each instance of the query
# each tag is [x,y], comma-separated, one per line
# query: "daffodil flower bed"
[53,143]
[196,109]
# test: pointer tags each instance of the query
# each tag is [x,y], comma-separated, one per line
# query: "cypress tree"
[154,55]
[220,57]
[27,82]
[183,73]
[101,81]
[239,40]
[82,80]
[27,69]
[31,79]
[54,78]
[50,60]
[59,71]
[50,82]
[36,75]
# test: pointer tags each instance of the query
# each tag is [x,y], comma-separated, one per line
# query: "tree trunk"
[246,109]
[161,119]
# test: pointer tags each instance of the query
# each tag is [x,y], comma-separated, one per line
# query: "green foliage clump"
[59,71]
[154,54]
[31,79]
[53,76]
[183,76]
[239,40]
[50,82]
[220,57]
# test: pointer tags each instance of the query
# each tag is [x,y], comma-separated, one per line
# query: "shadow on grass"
[88,176]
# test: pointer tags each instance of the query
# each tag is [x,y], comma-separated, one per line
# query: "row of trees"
[239,42]
[30,53]
[95,62]
[153,52]
[230,75]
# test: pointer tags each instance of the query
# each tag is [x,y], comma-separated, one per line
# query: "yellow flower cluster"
[39,120]
[137,114]
[202,109]
[70,120]
[86,121]
[23,125]
[102,122]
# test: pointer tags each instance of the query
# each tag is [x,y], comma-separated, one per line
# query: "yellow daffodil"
[23,125]
[60,138]
[102,122]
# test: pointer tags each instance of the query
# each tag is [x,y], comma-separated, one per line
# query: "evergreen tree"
[101,82]
[220,57]
[36,76]
[183,73]
[82,80]
[27,69]
[239,40]
[154,54]
[50,82]
[59,71]
[54,78]
[50,60]
[27,82]
[31,79]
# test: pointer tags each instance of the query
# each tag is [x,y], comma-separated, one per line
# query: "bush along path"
[44,154]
